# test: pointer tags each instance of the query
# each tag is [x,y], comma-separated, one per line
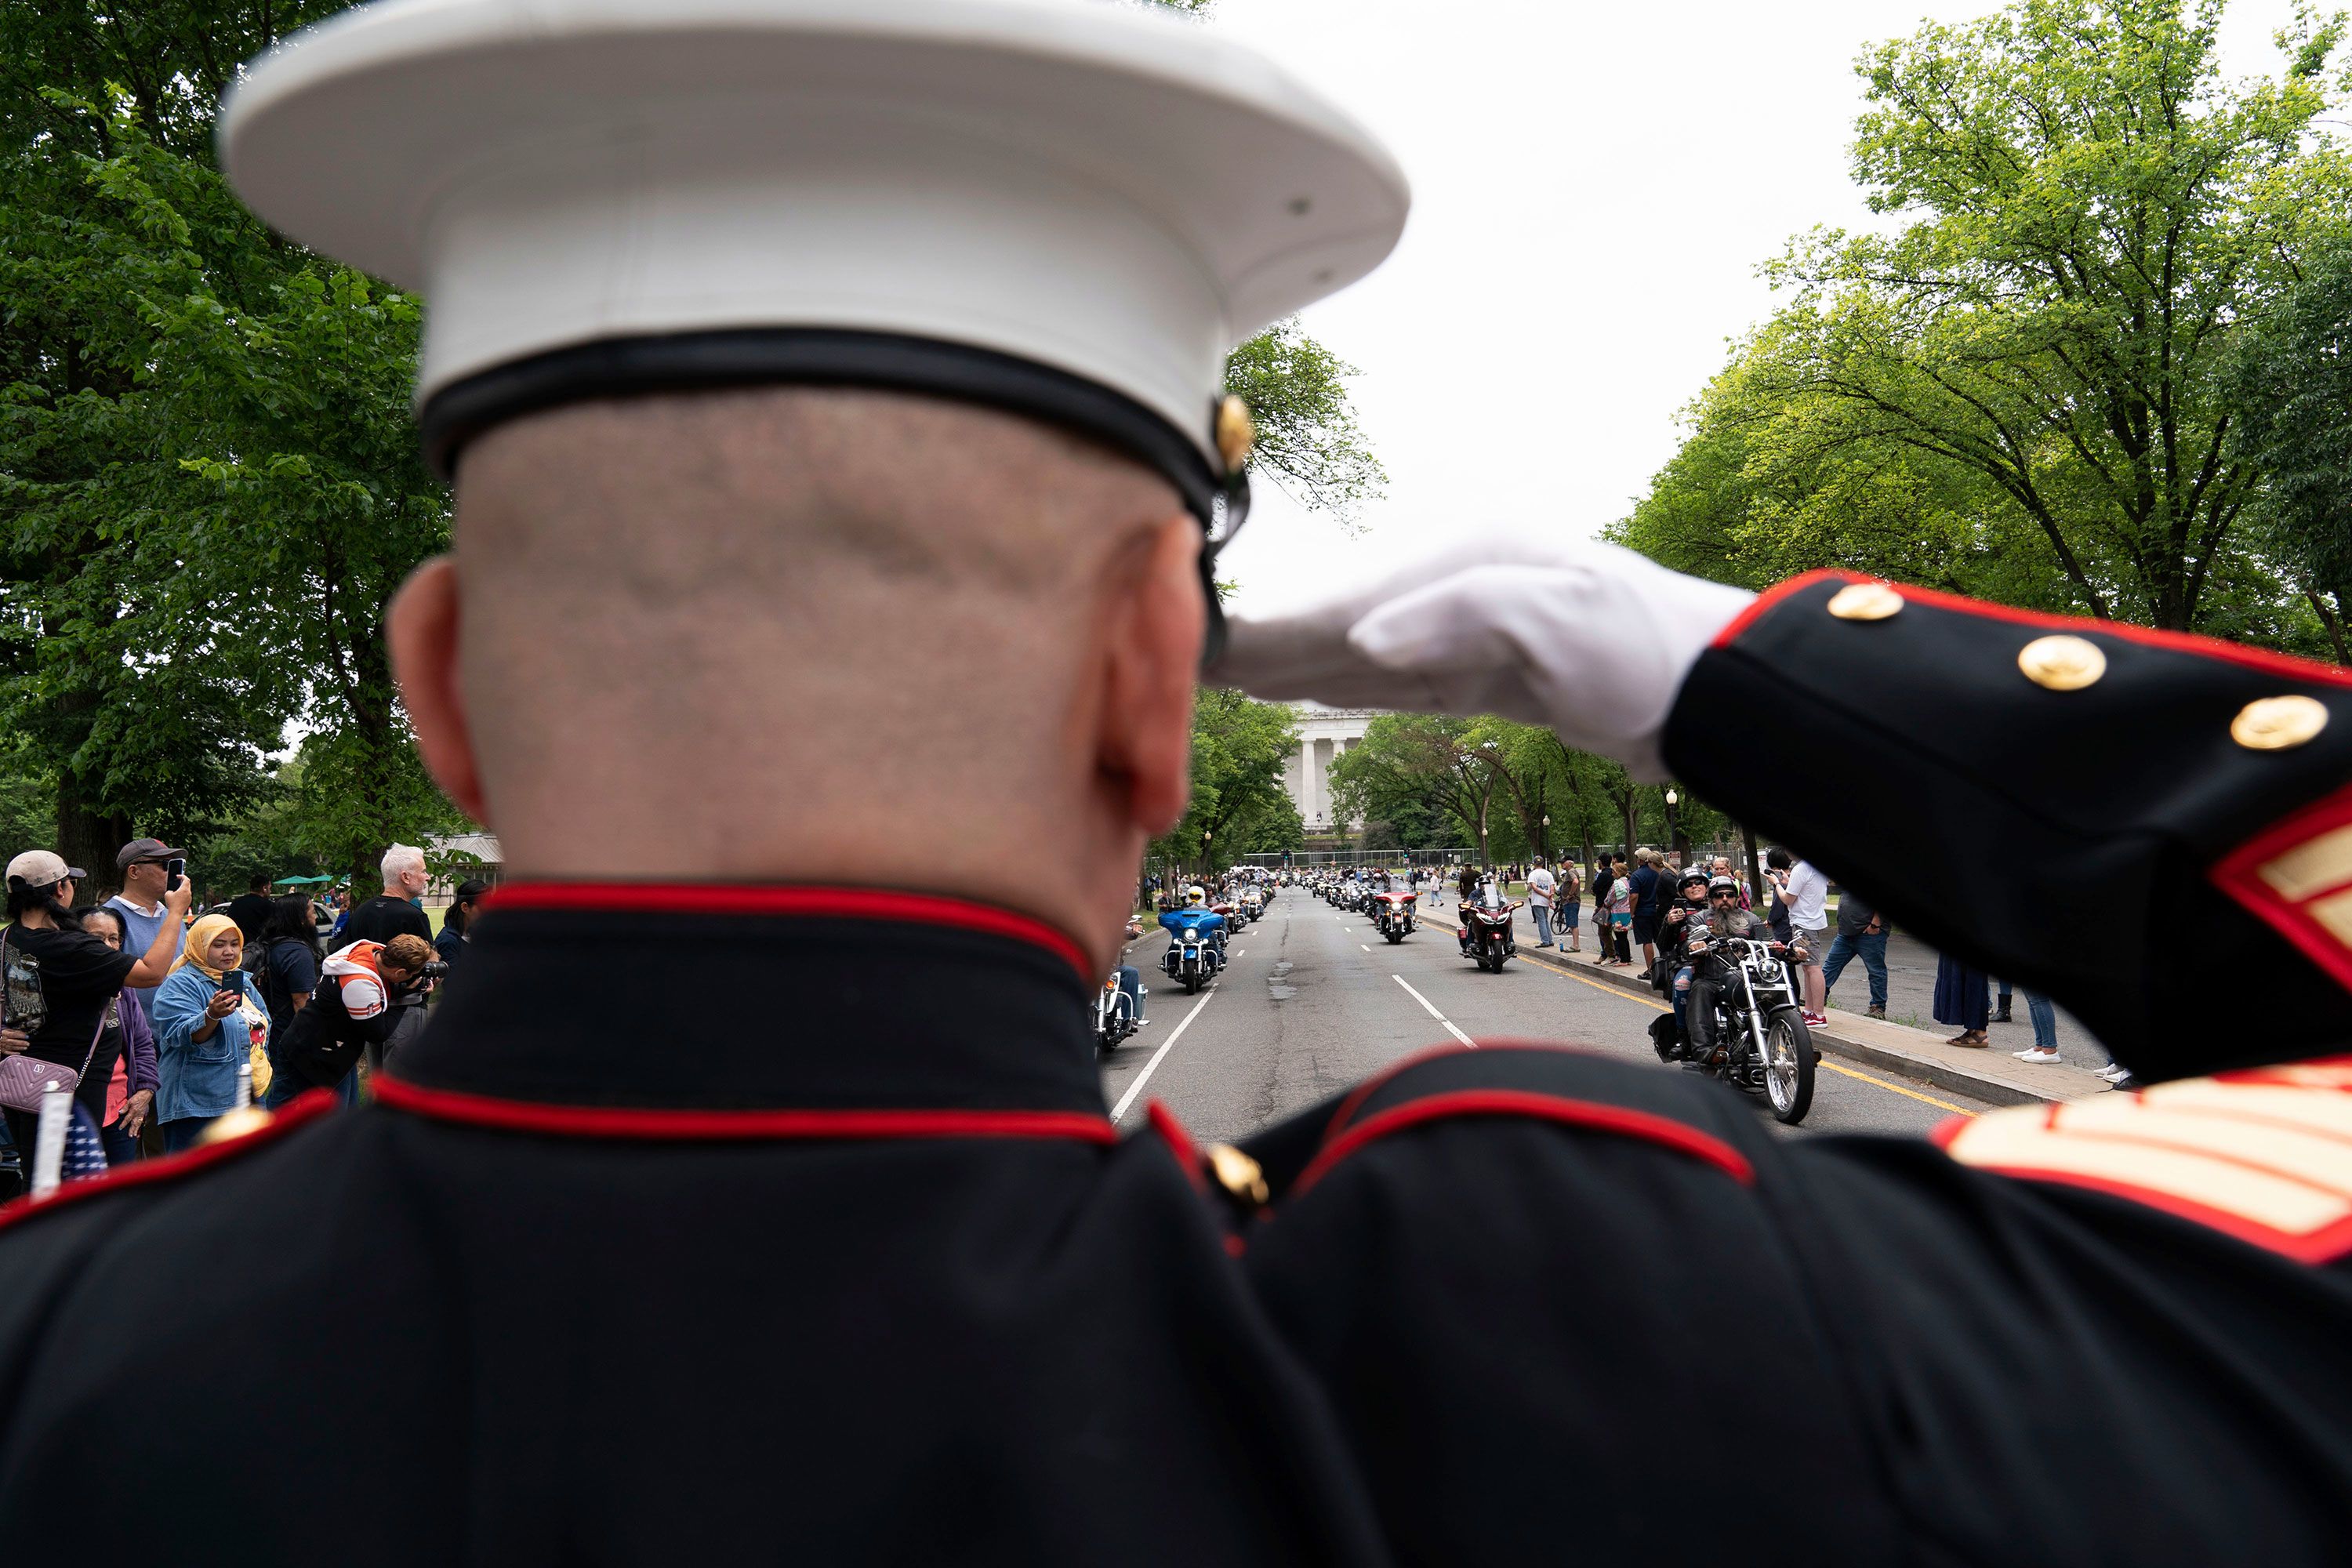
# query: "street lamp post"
[1546,848]
[1672,800]
[1208,859]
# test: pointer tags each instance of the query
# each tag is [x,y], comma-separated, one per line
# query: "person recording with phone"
[206,1024]
[150,868]
[59,979]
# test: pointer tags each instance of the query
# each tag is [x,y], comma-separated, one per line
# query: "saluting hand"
[1587,638]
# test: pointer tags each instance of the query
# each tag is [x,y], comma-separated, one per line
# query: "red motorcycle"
[1392,915]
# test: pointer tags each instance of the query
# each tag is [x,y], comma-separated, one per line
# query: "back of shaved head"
[767,616]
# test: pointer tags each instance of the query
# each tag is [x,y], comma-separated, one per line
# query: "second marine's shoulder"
[1518,1083]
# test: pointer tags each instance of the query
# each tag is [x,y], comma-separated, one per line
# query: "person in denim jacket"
[202,1030]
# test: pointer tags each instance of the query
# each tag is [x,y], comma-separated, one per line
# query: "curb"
[1992,1087]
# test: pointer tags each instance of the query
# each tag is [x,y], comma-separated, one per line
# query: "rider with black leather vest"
[1711,966]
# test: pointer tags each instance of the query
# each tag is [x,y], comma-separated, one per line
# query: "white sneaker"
[2038,1056]
[2115,1070]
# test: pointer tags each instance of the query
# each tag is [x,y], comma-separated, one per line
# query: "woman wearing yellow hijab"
[206,1024]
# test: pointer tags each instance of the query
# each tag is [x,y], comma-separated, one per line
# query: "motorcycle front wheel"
[1394,937]
[1789,1065]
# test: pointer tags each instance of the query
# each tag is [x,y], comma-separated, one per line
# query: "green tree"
[1409,761]
[2295,386]
[1238,806]
[1308,443]
[2040,350]
[207,474]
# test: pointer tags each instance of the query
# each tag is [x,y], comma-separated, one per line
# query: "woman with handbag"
[58,979]
[204,1025]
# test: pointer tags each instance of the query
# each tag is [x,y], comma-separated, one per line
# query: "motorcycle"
[1117,1015]
[1392,915]
[1487,929]
[1236,918]
[1192,960]
[1762,1043]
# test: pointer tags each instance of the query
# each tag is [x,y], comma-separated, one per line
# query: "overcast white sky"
[1593,187]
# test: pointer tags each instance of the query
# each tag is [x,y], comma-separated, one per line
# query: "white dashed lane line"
[1431,1011]
[1127,1100]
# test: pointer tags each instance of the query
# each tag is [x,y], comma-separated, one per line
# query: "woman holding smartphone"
[206,1024]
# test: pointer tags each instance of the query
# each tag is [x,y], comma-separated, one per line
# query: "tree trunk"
[1755,861]
[90,839]
[2332,621]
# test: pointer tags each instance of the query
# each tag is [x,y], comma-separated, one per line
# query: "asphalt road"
[1314,1000]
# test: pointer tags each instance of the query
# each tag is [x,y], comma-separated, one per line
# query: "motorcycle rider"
[1702,941]
[1687,913]
[1196,915]
[1484,893]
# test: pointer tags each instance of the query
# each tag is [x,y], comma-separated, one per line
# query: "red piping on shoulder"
[2284,666]
[827,903]
[1773,595]
[1180,1142]
[1589,1115]
[170,1167]
[654,1123]
[1388,1074]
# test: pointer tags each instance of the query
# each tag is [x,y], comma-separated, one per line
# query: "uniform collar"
[678,999]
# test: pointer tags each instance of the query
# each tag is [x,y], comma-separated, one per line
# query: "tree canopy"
[2025,386]
[210,483]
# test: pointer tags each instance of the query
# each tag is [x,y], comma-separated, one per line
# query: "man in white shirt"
[1808,896]
[1540,891]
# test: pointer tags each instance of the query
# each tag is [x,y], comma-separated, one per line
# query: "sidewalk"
[1991,1075]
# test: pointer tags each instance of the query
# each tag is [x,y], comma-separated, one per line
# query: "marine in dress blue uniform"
[924,1303]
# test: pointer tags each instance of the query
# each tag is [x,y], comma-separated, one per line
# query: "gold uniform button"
[1865,602]
[1236,433]
[2277,723]
[1238,1175]
[2062,663]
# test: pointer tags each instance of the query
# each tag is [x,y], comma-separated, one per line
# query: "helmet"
[1687,878]
[1193,895]
[1722,885]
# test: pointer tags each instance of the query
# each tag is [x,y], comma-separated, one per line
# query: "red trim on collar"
[2239,875]
[1179,1143]
[656,1123]
[833,903]
[318,1102]
[1589,1115]
[2284,666]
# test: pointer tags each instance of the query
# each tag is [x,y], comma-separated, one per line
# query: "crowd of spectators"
[171,1016]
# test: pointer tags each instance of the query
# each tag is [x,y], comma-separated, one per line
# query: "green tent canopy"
[299,881]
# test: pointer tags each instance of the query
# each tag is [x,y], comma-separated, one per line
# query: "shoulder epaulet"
[1513,1079]
[233,1139]
[2263,1155]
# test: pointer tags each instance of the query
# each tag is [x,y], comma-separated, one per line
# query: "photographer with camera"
[366,992]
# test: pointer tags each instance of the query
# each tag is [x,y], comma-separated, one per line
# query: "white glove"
[1587,638]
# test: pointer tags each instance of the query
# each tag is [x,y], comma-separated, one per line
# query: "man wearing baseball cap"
[59,979]
[753,321]
[145,868]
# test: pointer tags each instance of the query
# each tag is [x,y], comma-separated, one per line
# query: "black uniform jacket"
[785,1225]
